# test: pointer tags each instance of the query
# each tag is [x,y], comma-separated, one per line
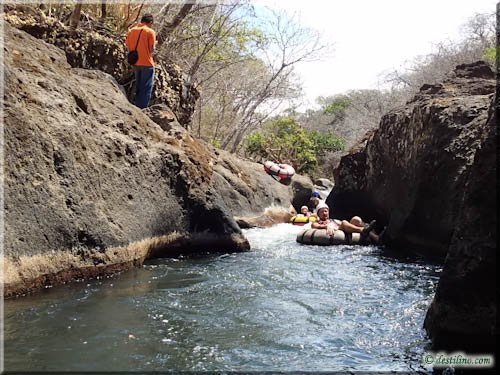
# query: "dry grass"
[142,249]
[25,274]
[25,268]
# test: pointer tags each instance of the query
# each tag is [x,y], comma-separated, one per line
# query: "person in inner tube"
[356,224]
[304,211]
[316,202]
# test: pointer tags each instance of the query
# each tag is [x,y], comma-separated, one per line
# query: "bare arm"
[315,225]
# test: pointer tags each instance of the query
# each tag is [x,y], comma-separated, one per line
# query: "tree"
[287,44]
[283,140]
[74,19]
[167,28]
[208,40]
[335,106]
[104,12]
[478,42]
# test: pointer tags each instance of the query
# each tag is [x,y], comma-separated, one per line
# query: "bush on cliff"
[284,140]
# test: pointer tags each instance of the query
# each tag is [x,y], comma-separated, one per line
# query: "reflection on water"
[281,307]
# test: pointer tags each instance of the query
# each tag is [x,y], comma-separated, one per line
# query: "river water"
[280,307]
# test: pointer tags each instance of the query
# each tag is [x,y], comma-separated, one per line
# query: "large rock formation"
[463,313]
[242,184]
[90,178]
[429,171]
[410,172]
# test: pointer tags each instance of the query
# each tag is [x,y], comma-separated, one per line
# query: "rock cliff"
[93,185]
[410,173]
[429,172]
[463,313]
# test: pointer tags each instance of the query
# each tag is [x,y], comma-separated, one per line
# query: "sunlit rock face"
[93,47]
[85,167]
[411,172]
[86,171]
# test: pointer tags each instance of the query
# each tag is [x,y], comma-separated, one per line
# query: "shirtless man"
[356,224]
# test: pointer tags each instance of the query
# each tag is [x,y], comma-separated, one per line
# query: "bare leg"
[357,221]
[350,228]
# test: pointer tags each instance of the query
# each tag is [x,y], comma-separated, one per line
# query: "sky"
[372,37]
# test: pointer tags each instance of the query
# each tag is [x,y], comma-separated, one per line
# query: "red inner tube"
[283,171]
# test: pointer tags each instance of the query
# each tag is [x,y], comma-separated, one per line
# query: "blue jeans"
[144,78]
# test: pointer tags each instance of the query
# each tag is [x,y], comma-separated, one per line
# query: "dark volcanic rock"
[429,171]
[303,188]
[246,188]
[323,184]
[412,172]
[162,115]
[463,312]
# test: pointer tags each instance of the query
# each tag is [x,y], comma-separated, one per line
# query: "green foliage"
[256,143]
[490,55]
[326,142]
[233,42]
[337,106]
[284,140]
[215,143]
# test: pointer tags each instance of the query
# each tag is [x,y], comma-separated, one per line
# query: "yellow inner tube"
[302,219]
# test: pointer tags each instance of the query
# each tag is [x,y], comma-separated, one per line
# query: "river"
[280,307]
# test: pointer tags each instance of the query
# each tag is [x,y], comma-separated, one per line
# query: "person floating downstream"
[142,38]
[355,225]
[316,202]
[304,210]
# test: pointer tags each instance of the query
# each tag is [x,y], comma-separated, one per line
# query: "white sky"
[370,37]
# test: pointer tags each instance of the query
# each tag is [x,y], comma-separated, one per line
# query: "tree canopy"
[283,140]
[243,65]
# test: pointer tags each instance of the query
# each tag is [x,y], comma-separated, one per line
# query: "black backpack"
[133,56]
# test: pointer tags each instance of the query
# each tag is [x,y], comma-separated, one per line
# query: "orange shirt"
[145,46]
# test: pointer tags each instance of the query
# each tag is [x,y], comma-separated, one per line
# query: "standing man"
[144,37]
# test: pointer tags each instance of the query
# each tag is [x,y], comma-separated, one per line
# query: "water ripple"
[281,307]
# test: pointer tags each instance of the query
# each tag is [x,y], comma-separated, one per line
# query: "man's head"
[315,201]
[147,18]
[304,209]
[323,211]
